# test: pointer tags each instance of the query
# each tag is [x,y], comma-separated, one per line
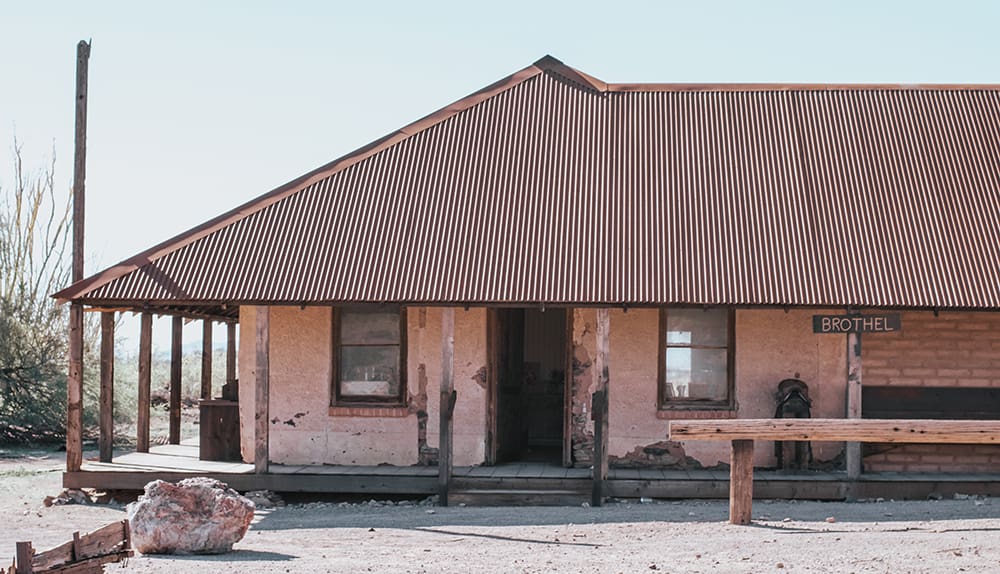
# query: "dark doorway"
[530,357]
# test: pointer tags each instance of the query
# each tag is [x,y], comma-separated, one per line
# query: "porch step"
[517,497]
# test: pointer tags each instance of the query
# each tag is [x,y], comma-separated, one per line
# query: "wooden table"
[742,433]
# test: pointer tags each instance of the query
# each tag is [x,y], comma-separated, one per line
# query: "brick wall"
[950,350]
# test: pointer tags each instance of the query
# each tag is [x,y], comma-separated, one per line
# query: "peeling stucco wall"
[770,345]
[469,425]
[302,429]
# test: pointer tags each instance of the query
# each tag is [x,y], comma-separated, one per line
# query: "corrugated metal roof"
[551,186]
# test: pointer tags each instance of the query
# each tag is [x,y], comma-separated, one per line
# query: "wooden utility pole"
[74,382]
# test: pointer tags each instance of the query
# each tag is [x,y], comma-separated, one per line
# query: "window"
[696,351]
[369,355]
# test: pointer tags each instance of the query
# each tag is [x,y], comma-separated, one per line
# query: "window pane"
[698,374]
[370,371]
[369,327]
[698,327]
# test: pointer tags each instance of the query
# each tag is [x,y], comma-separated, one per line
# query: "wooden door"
[509,341]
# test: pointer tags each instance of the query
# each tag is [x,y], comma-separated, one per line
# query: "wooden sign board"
[840,324]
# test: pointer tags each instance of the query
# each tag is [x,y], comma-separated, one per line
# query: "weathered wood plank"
[145,382]
[101,542]
[206,359]
[262,392]
[359,484]
[860,430]
[741,482]
[447,405]
[176,349]
[23,552]
[852,451]
[106,409]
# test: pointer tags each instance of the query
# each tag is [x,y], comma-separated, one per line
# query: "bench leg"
[741,482]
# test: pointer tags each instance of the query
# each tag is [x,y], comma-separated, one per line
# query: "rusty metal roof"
[551,186]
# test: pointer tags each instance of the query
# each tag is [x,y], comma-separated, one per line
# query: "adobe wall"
[771,345]
[305,430]
[949,350]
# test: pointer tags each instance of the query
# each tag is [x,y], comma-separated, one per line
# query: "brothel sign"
[882,323]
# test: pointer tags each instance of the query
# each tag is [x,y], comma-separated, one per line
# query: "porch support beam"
[230,352]
[852,452]
[206,359]
[176,344]
[599,409]
[107,393]
[74,391]
[261,393]
[447,407]
[145,382]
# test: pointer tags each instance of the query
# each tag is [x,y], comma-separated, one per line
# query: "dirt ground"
[664,536]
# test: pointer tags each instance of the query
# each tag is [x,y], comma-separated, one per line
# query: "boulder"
[195,516]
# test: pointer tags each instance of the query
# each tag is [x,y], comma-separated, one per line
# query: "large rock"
[194,516]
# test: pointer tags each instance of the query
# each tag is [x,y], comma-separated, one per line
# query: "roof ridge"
[792,87]
[296,185]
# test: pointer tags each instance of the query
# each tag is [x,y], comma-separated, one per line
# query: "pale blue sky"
[198,106]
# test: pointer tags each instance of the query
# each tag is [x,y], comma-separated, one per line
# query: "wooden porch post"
[741,482]
[447,407]
[74,391]
[230,352]
[107,400]
[206,359]
[145,382]
[852,451]
[176,342]
[261,410]
[74,380]
[600,409]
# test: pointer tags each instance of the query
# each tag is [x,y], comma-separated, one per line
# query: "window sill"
[679,412]
[369,411]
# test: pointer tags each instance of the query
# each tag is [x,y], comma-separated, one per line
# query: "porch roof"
[551,186]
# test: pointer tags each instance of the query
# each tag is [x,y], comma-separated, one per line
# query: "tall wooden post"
[600,410]
[74,381]
[853,449]
[106,413]
[447,407]
[206,359]
[145,382]
[261,394]
[176,356]
[230,352]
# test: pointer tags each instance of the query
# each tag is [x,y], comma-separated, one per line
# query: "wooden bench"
[742,433]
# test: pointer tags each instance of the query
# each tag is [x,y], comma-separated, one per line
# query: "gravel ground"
[664,536]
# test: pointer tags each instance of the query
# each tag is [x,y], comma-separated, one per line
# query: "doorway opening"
[530,365]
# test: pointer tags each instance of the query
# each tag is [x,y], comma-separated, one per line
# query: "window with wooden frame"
[696,358]
[369,356]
